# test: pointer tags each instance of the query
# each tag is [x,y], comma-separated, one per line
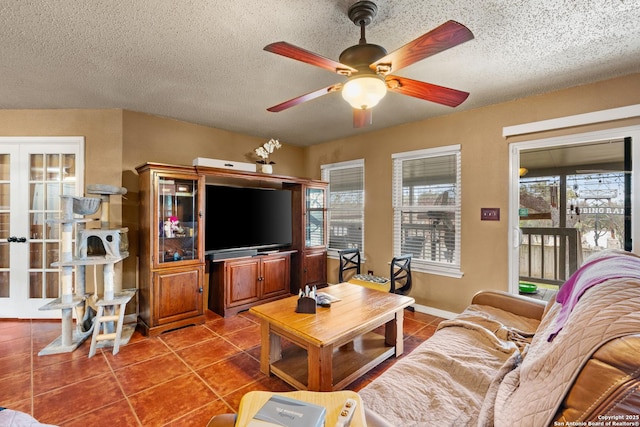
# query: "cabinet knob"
[201,290]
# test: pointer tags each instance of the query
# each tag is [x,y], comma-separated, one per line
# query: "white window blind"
[345,207]
[426,204]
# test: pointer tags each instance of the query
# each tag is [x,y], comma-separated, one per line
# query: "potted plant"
[264,152]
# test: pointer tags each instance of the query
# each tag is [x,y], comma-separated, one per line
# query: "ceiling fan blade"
[362,118]
[427,91]
[304,98]
[447,35]
[300,54]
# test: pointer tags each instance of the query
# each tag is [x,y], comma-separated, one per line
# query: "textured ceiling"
[202,61]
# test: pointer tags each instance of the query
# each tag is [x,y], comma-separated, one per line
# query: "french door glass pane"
[52,175]
[52,167]
[52,253]
[53,196]
[4,255]
[4,224]
[69,171]
[35,257]
[4,196]
[4,283]
[52,228]
[4,167]
[52,284]
[35,284]
[37,167]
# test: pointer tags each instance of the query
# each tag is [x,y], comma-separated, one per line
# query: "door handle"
[517,237]
[16,239]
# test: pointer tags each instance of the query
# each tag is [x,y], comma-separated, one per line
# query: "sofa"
[509,360]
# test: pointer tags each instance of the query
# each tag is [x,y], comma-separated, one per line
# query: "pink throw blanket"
[611,266]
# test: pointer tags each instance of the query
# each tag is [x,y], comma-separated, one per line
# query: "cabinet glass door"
[177,219]
[314,217]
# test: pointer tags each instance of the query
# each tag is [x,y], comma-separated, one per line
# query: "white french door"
[34,173]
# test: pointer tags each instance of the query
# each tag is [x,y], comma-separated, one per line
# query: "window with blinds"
[345,205]
[426,204]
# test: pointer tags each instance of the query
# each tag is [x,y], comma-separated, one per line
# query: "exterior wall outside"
[485,179]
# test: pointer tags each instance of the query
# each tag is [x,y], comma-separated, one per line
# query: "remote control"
[346,413]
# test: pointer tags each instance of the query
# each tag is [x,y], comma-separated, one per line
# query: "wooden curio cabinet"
[309,235]
[171,247]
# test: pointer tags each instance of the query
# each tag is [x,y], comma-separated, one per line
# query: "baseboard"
[434,311]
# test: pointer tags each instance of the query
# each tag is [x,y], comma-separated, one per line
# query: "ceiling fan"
[368,67]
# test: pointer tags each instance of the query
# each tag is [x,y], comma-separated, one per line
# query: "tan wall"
[102,130]
[484,250]
[117,141]
[148,138]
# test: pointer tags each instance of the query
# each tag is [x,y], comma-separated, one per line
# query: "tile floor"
[180,378]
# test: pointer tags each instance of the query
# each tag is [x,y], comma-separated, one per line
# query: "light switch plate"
[490,214]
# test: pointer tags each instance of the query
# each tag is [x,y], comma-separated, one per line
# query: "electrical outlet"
[370,272]
[490,214]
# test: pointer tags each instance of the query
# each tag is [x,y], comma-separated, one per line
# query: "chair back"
[400,275]
[349,260]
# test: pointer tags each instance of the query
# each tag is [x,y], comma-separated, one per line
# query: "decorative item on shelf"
[264,151]
[172,227]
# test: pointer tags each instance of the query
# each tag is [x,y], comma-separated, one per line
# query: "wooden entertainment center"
[177,279]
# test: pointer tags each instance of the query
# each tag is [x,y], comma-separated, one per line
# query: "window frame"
[452,269]
[325,171]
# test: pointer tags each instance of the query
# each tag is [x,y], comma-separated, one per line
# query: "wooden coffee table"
[335,345]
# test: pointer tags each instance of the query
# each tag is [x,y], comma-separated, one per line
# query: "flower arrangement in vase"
[264,152]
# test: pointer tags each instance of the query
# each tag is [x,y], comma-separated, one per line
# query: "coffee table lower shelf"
[350,361]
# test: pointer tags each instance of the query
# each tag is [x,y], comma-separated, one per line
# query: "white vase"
[267,168]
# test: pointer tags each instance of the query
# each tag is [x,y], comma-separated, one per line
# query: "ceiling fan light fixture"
[364,92]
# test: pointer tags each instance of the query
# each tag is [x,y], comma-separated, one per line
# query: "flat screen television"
[238,218]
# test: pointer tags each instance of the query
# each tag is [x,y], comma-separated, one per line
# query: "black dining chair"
[349,260]
[400,275]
